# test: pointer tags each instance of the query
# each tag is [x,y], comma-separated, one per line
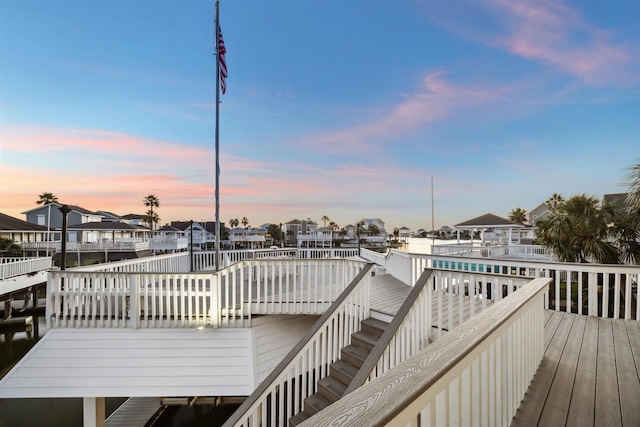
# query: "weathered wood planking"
[581,410]
[627,375]
[557,404]
[606,383]
[534,400]
[607,396]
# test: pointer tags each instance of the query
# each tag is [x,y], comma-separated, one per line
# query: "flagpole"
[217,36]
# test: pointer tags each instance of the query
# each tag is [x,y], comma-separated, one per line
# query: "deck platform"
[590,374]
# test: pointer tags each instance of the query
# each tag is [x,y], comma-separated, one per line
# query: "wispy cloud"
[547,31]
[437,99]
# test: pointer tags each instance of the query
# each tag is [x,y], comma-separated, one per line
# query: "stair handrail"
[269,387]
[382,357]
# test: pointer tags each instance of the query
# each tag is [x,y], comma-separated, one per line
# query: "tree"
[581,230]
[46,198]
[633,181]
[275,232]
[151,201]
[233,222]
[554,201]
[374,230]
[245,221]
[518,215]
[325,219]
[8,248]
[333,226]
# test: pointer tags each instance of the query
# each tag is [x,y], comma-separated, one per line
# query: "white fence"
[498,251]
[475,375]
[281,395]
[12,267]
[227,298]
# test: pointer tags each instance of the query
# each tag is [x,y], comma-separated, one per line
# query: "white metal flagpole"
[217,35]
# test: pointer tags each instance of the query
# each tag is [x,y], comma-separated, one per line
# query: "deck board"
[589,376]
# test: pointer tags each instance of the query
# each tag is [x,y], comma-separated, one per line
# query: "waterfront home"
[21,231]
[50,216]
[296,226]
[497,230]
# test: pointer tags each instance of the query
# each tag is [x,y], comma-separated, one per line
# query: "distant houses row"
[128,235]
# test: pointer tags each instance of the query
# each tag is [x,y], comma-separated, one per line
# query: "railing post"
[134,300]
[592,289]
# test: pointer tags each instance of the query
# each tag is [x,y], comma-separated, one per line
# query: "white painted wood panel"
[125,362]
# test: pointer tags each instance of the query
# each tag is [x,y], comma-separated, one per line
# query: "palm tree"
[325,219]
[46,198]
[518,215]
[151,201]
[633,180]
[579,230]
[333,226]
[8,248]
[554,201]
[245,221]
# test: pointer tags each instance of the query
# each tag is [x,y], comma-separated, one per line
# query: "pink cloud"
[558,35]
[437,100]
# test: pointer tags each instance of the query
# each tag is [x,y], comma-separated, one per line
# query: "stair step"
[315,403]
[331,388]
[364,340]
[354,355]
[374,326]
[343,371]
[298,418]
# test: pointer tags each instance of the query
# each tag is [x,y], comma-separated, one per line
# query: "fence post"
[134,300]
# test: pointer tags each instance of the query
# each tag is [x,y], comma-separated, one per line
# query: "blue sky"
[338,108]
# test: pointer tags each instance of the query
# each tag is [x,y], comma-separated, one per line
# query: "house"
[107,231]
[50,215]
[295,227]
[447,232]
[404,232]
[617,200]
[540,211]
[20,231]
[319,238]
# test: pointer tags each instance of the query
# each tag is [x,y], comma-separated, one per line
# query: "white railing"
[228,298]
[170,263]
[438,302]
[601,290]
[281,395]
[88,247]
[475,375]
[497,251]
[169,244]
[12,267]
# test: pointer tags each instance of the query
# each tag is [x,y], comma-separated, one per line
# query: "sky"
[349,109]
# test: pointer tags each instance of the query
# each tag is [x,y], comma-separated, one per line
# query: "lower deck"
[589,376]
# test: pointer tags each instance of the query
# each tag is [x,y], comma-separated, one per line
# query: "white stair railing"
[281,395]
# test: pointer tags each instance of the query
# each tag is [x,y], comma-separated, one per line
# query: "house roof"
[107,226]
[107,213]
[75,208]
[617,200]
[168,228]
[488,220]
[9,223]
[132,216]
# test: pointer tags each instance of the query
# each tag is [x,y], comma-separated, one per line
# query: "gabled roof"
[185,225]
[488,220]
[75,208]
[9,223]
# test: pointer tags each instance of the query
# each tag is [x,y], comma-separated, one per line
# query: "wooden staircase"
[342,371]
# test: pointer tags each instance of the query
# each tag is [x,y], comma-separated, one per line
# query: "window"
[41,219]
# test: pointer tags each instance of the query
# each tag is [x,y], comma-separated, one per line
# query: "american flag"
[223,63]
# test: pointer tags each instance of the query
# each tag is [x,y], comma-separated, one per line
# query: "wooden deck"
[590,374]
